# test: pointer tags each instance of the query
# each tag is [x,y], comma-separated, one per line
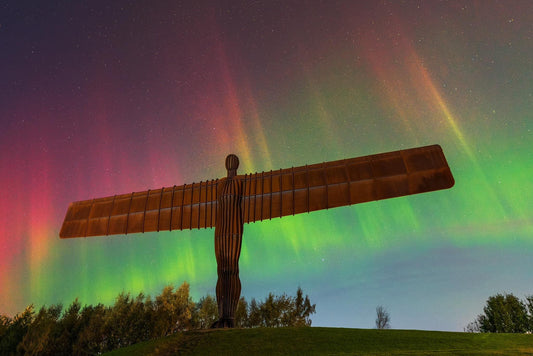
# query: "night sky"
[108,97]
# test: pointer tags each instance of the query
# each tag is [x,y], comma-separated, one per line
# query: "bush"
[98,329]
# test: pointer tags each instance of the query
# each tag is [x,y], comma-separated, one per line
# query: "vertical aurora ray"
[239,120]
[11,231]
[410,91]
[325,124]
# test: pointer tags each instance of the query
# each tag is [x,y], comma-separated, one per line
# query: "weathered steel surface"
[188,206]
[228,203]
[344,182]
[228,240]
[266,195]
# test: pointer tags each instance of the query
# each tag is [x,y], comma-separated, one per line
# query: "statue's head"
[232,163]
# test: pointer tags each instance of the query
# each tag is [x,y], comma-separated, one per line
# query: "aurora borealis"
[101,98]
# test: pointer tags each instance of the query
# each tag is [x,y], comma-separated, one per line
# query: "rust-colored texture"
[228,240]
[228,203]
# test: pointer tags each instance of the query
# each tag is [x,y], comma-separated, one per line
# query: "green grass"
[332,341]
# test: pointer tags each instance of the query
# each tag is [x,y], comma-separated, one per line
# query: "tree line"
[504,313]
[78,330]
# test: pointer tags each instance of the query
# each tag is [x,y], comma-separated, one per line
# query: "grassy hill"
[332,341]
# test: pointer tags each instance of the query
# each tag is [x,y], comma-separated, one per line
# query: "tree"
[15,331]
[284,306]
[67,329]
[173,311]
[382,318]
[41,335]
[505,313]
[270,314]
[472,327]
[206,312]
[92,339]
[301,310]
[129,321]
[93,330]
[254,315]
[529,304]
[5,321]
[281,310]
[241,314]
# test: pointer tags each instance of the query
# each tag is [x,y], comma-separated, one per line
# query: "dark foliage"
[504,313]
[14,330]
[96,329]
[205,312]
[275,311]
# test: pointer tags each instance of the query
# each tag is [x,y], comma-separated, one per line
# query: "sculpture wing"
[328,185]
[189,206]
[266,195]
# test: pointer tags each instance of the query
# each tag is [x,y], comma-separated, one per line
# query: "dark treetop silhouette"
[229,202]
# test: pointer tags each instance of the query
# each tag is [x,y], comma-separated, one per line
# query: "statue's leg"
[227,250]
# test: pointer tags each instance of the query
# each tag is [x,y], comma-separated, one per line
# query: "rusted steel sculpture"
[228,203]
[228,240]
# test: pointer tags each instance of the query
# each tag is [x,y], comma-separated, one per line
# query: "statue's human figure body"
[228,240]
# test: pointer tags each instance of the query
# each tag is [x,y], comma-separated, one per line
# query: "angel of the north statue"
[228,203]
